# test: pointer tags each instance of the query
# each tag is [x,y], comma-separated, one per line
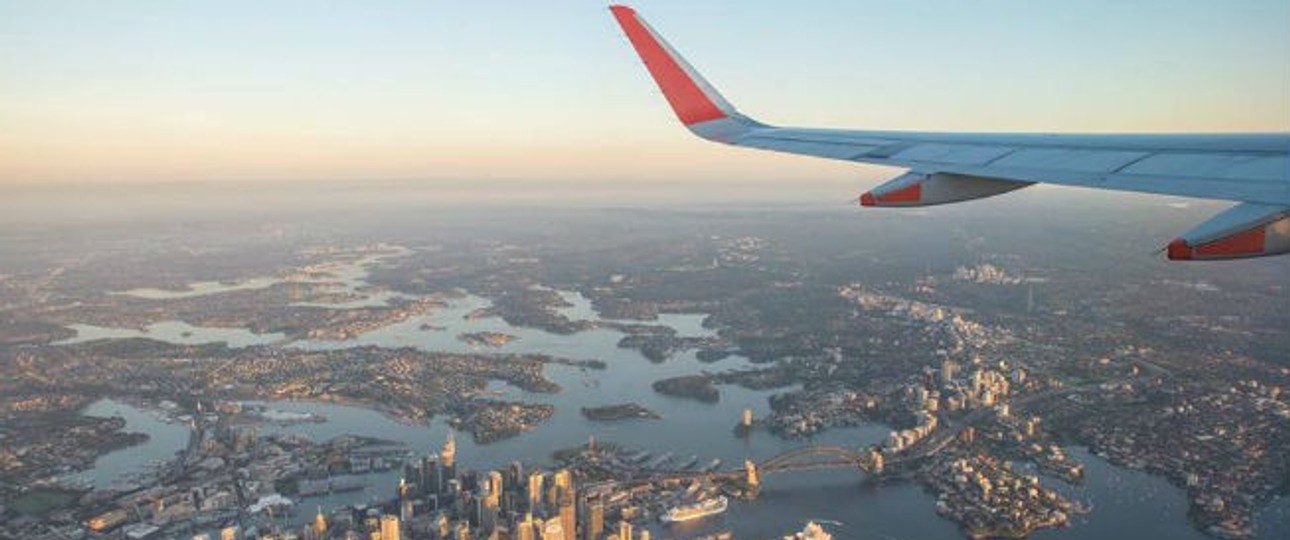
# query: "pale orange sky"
[170,91]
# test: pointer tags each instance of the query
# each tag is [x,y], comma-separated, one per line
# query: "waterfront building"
[319,528]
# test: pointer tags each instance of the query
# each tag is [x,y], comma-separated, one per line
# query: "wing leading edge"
[1251,169]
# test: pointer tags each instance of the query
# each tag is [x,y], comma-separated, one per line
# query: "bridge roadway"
[807,458]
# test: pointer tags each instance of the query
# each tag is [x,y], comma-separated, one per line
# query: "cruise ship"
[696,510]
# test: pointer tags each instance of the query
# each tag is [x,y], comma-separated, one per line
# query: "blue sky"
[186,90]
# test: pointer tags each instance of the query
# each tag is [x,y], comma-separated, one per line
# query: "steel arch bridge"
[817,457]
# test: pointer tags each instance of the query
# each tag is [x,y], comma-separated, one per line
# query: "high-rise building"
[568,516]
[430,481]
[535,490]
[524,528]
[595,521]
[949,370]
[230,532]
[448,459]
[320,525]
[390,528]
[515,478]
[564,480]
[495,487]
[552,529]
[624,530]
[644,534]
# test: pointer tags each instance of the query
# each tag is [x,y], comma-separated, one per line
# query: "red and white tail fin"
[694,101]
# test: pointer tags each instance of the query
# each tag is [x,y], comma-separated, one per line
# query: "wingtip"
[621,9]
[1179,250]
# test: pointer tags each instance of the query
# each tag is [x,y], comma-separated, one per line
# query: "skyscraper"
[524,528]
[552,530]
[428,475]
[568,515]
[320,525]
[495,486]
[624,530]
[535,490]
[596,521]
[390,527]
[448,461]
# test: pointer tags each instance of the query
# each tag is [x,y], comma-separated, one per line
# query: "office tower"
[568,516]
[448,459]
[430,482]
[442,526]
[948,370]
[230,532]
[320,525]
[596,522]
[624,530]
[524,528]
[495,487]
[562,485]
[644,534]
[552,529]
[535,490]
[515,478]
[390,527]
[407,510]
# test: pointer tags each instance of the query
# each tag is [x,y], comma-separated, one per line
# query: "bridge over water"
[818,457]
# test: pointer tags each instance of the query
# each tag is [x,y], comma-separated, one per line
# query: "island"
[690,386]
[621,411]
[486,339]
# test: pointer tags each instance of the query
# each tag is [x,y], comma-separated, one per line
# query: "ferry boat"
[695,511]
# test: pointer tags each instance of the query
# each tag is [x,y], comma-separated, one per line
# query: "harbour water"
[1127,503]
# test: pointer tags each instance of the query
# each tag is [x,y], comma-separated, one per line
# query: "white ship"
[696,510]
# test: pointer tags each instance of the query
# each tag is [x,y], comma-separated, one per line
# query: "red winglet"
[1244,243]
[687,99]
[909,194]
[1179,250]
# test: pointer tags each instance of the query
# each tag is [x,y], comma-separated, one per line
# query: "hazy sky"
[242,89]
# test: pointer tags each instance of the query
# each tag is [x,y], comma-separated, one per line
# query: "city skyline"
[187,91]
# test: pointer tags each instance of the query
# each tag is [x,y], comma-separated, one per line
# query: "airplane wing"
[1250,169]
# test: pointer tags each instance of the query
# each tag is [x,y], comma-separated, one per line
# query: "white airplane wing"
[1250,169]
